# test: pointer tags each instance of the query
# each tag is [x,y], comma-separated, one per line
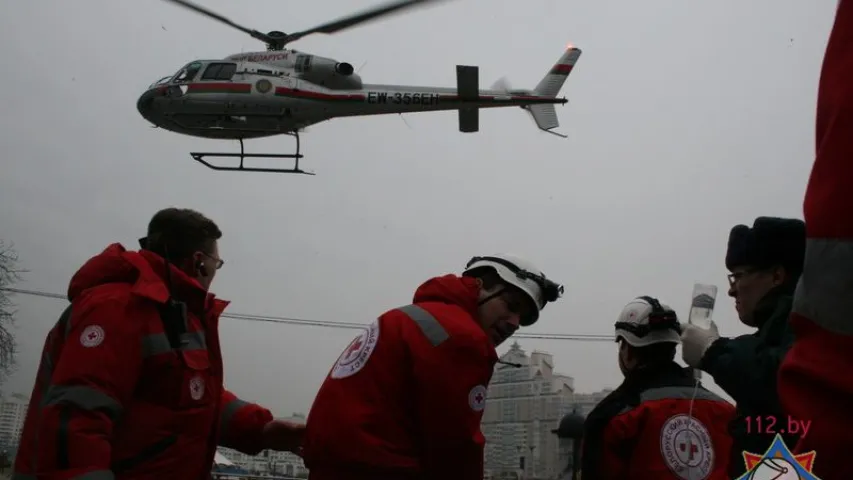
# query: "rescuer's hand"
[695,341]
[283,436]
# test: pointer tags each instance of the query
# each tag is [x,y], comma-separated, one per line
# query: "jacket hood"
[146,272]
[463,292]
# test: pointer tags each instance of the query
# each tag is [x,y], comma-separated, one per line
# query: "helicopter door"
[303,63]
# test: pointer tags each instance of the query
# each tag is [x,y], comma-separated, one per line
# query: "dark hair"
[180,232]
[653,354]
[488,275]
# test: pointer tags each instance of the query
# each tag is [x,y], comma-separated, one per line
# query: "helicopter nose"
[145,101]
[145,104]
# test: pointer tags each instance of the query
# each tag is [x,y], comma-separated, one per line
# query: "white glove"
[695,341]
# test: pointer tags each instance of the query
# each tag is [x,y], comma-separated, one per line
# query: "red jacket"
[405,399]
[816,377]
[112,397]
[643,430]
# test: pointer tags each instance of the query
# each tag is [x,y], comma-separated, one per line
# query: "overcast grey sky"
[685,118]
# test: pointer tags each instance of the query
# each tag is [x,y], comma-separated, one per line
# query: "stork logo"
[687,448]
[357,353]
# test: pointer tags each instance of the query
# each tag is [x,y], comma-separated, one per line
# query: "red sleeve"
[816,378]
[621,429]
[93,379]
[241,424]
[451,394]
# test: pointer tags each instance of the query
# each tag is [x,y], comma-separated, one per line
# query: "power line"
[332,324]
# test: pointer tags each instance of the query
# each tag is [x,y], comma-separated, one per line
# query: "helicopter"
[282,91]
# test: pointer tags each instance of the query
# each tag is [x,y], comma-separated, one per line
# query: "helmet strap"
[492,296]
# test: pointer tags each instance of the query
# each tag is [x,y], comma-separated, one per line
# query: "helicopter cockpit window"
[219,71]
[188,73]
[162,81]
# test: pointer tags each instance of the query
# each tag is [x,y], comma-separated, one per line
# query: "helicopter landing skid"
[199,157]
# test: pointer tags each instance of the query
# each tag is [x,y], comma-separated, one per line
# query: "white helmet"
[521,274]
[645,321]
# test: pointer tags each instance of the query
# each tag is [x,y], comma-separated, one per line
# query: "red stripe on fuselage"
[220,87]
[289,92]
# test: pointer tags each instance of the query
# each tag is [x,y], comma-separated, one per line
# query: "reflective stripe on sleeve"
[428,324]
[228,411]
[674,393]
[85,398]
[663,393]
[158,343]
[64,322]
[823,292]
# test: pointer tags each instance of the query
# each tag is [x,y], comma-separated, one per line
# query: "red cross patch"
[354,347]
[92,336]
[357,353]
[197,388]
[477,398]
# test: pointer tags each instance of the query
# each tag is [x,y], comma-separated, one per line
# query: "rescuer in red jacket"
[404,400]
[129,387]
[816,377]
[659,423]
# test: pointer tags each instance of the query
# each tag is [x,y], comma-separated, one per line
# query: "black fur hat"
[771,241]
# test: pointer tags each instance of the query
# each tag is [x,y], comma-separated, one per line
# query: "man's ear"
[627,351]
[779,276]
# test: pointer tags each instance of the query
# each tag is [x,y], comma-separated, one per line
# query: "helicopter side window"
[219,71]
[303,63]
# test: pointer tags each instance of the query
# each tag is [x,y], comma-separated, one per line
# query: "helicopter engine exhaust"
[344,69]
[331,73]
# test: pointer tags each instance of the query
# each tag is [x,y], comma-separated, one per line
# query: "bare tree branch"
[9,275]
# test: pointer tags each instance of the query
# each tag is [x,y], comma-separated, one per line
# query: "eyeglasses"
[736,276]
[219,262]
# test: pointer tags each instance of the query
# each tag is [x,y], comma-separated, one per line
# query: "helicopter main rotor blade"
[199,9]
[359,18]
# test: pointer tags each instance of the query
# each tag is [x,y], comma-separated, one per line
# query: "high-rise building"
[270,462]
[526,401]
[13,412]
[527,398]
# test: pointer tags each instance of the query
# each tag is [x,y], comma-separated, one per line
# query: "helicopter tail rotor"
[502,85]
